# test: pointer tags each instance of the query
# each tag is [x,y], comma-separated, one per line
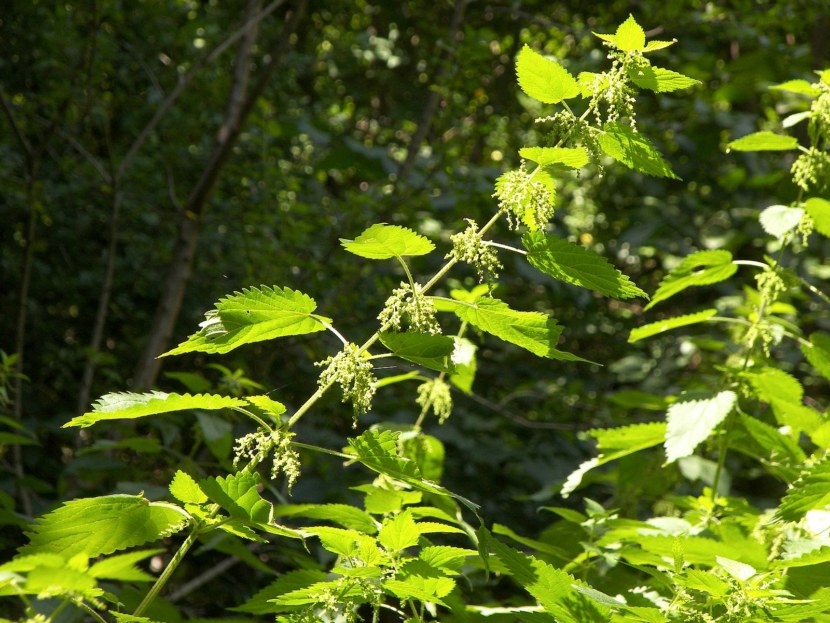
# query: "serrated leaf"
[764,141]
[706,582]
[533,331]
[782,456]
[577,265]
[446,558]
[591,83]
[552,588]
[103,525]
[379,452]
[312,594]
[383,242]
[738,570]
[239,495]
[344,542]
[660,80]
[819,211]
[801,87]
[271,407]
[426,589]
[780,220]
[634,150]
[399,532]
[658,45]
[615,443]
[187,490]
[464,359]
[810,491]
[689,423]
[343,514]
[543,79]
[128,406]
[698,269]
[655,328]
[430,351]
[254,315]
[122,567]
[574,157]
[818,353]
[774,384]
[630,36]
[816,556]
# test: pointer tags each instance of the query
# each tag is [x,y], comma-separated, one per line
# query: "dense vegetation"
[521,437]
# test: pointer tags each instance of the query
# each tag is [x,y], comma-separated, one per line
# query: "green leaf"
[445,558]
[399,532]
[818,353]
[346,542]
[343,514]
[379,452]
[239,495]
[819,211]
[271,407]
[128,406]
[630,36]
[634,150]
[810,491]
[383,242]
[464,358]
[655,328]
[254,315]
[698,269]
[187,490]
[543,79]
[779,220]
[782,456]
[801,87]
[774,384]
[691,422]
[122,567]
[430,351]
[660,80]
[574,157]
[533,331]
[102,525]
[553,588]
[311,594]
[706,582]
[764,141]
[428,590]
[577,265]
[658,45]
[615,443]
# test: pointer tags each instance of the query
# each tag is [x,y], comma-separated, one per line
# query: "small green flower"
[524,199]
[435,394]
[405,308]
[255,447]
[354,373]
[468,247]
[811,170]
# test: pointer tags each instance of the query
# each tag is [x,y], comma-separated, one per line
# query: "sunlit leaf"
[691,422]
[698,269]
[810,491]
[543,79]
[574,157]
[801,87]
[634,150]
[656,328]
[818,353]
[577,265]
[819,211]
[187,490]
[660,80]
[383,242]
[764,141]
[780,220]
[630,36]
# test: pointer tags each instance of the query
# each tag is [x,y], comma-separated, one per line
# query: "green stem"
[506,247]
[306,446]
[722,451]
[172,566]
[262,423]
[91,611]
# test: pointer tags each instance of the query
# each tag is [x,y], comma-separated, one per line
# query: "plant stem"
[171,567]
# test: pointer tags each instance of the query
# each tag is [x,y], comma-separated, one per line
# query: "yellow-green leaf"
[630,36]
[383,242]
[543,79]
[655,328]
[764,141]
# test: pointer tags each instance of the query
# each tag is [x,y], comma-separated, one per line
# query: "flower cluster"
[354,373]
[435,394]
[811,170]
[468,247]
[820,112]
[255,447]
[524,199]
[408,308]
[805,228]
[771,285]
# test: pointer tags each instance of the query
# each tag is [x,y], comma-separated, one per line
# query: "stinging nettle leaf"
[102,525]
[254,315]
[698,269]
[383,242]
[689,423]
[577,265]
[811,491]
[779,220]
[818,353]
[655,328]
[574,157]
[630,36]
[543,79]
[185,489]
[658,45]
[764,141]
[634,150]
[431,351]
[128,406]
[819,211]
[660,80]
[801,87]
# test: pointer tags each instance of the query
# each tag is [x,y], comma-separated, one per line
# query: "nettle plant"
[410,551]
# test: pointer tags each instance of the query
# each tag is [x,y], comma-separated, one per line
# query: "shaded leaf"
[577,265]
[343,514]
[543,79]
[660,80]
[810,491]
[383,242]
[430,351]
[818,353]
[122,567]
